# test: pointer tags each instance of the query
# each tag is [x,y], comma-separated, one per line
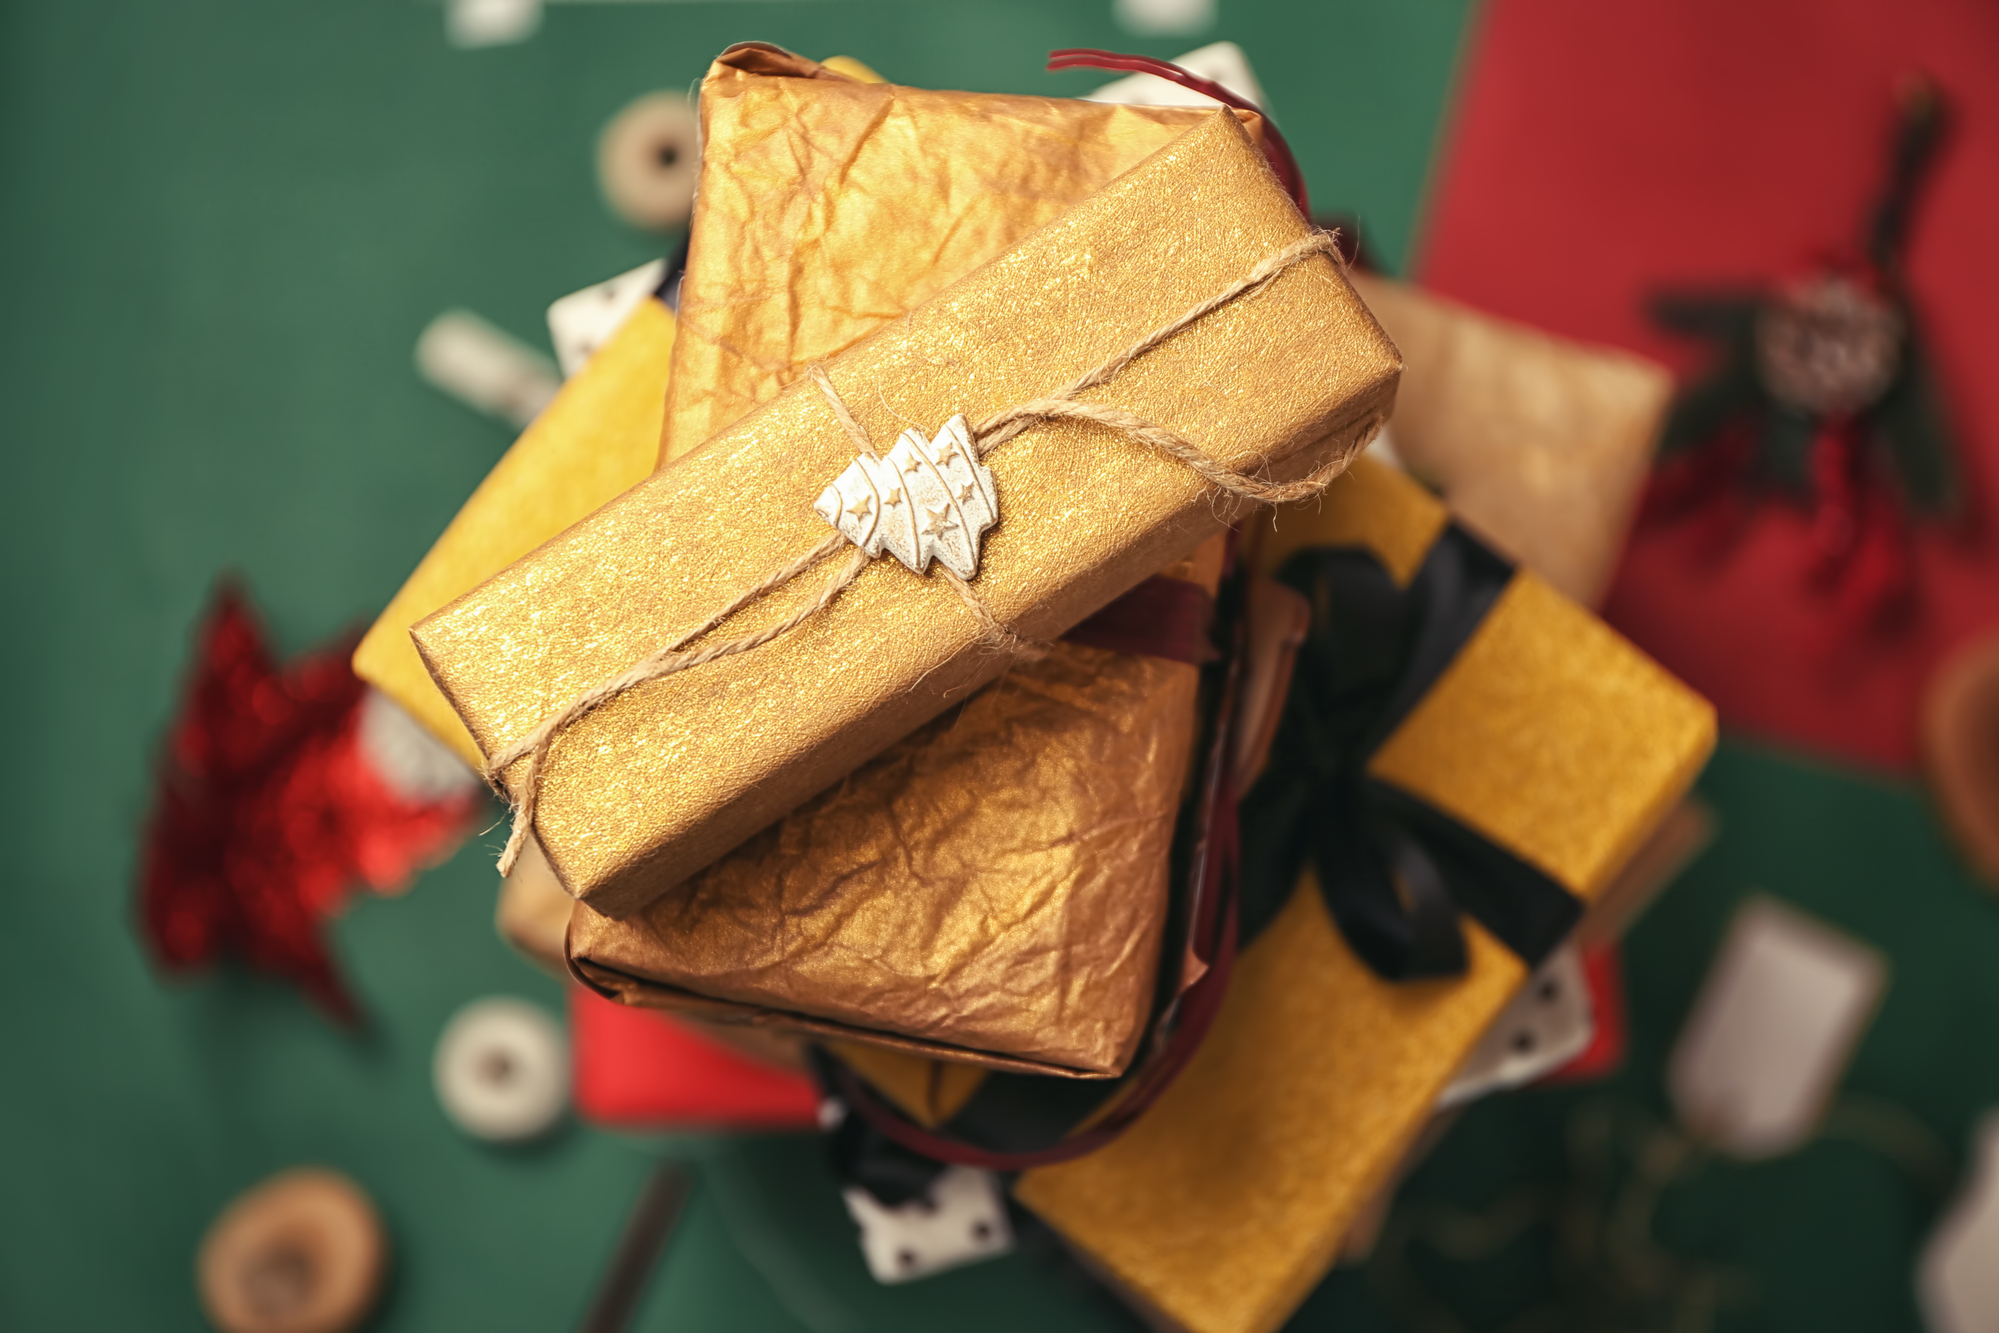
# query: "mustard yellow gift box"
[597,439]
[1224,1204]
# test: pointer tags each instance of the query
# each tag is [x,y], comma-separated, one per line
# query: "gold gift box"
[984,890]
[829,207]
[662,780]
[977,891]
[596,440]
[1226,1202]
[1538,444]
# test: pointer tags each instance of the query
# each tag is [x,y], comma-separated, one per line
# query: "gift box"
[1546,736]
[805,175]
[659,779]
[979,891]
[986,889]
[1539,444]
[598,438]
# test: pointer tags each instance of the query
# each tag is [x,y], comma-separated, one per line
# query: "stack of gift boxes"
[1166,840]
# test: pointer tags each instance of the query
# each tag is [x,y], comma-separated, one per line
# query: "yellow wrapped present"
[1549,740]
[597,439]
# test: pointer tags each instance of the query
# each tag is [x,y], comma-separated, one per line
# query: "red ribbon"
[1274,147]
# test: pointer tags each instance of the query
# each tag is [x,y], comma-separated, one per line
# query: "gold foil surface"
[593,442]
[988,882]
[1225,1203]
[658,783]
[828,208]
[1538,444]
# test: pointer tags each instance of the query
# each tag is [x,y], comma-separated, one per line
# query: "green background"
[222,226]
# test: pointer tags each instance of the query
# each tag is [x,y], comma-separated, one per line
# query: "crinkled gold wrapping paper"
[596,440]
[658,783]
[1225,1203]
[1538,444]
[828,207]
[988,883]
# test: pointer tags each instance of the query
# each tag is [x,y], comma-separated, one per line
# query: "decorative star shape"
[948,452]
[914,465]
[862,507]
[940,522]
[965,492]
[894,497]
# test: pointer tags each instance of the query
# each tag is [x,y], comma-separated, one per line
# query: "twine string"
[989,435]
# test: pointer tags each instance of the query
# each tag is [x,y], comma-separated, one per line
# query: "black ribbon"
[1395,871]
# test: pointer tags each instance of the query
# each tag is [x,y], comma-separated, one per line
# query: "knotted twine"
[669,658]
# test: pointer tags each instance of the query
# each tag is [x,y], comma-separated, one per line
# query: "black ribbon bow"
[1395,871]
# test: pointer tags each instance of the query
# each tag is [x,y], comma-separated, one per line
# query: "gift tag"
[581,322]
[485,368]
[502,1070]
[962,1221]
[1957,1278]
[1546,1025]
[1219,62]
[1784,1004]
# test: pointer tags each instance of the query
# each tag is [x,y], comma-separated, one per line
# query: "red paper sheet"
[637,1069]
[1601,150]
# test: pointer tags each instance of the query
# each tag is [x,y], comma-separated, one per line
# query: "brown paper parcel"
[829,207]
[983,890]
[1228,1200]
[663,779]
[1537,443]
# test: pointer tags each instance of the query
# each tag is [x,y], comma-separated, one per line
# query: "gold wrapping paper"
[1034,933]
[1225,1203]
[1538,444]
[986,886]
[829,207]
[596,440]
[659,782]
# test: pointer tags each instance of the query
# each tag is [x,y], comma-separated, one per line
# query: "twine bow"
[674,656]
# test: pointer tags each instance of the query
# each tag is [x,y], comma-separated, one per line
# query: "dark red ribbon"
[1274,146]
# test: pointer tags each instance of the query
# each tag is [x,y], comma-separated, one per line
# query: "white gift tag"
[581,322]
[961,1221]
[1219,62]
[1549,1023]
[1957,1278]
[485,368]
[1785,1002]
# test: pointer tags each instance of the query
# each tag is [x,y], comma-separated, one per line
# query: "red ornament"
[269,812]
